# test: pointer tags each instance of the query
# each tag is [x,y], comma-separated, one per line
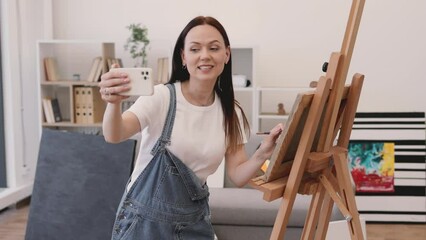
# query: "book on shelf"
[100,66]
[56,110]
[110,62]
[47,110]
[116,61]
[93,69]
[51,110]
[105,67]
[162,70]
[51,69]
[98,72]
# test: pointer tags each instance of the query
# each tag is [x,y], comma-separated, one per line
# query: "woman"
[187,127]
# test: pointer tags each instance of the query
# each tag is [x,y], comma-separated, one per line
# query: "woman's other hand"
[268,144]
[112,84]
[240,171]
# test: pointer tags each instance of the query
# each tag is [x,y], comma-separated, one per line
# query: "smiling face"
[205,53]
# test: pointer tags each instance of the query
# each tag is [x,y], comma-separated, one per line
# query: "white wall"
[293,38]
[22,23]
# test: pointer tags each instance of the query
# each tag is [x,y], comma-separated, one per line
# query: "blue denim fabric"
[166,201]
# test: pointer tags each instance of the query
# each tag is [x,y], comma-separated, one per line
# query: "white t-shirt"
[198,136]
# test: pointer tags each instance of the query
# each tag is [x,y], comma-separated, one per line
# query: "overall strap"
[164,139]
[190,180]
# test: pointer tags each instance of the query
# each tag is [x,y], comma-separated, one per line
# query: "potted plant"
[137,44]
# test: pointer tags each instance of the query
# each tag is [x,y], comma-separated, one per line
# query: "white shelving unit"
[72,57]
[243,63]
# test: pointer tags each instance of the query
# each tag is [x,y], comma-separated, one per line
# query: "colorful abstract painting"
[372,166]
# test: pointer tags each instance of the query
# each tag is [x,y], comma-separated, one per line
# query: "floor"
[13,224]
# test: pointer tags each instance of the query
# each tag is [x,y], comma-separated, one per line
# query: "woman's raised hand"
[112,84]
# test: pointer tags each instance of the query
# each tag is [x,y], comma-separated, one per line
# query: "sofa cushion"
[241,206]
[232,232]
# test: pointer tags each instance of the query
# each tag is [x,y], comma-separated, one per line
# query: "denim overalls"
[166,201]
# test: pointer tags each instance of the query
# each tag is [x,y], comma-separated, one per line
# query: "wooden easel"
[306,161]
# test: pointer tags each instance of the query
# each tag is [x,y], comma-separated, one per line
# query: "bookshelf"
[243,62]
[260,103]
[73,60]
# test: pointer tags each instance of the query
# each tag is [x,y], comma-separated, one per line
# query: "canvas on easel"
[307,159]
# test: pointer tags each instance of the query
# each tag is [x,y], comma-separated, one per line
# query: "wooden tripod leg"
[283,216]
[324,219]
[327,208]
[348,196]
[313,213]
[336,198]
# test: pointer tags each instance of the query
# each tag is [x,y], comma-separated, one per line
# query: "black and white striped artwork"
[407,131]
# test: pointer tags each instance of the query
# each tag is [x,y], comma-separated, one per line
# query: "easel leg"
[324,219]
[348,196]
[281,221]
[327,208]
[290,192]
[313,213]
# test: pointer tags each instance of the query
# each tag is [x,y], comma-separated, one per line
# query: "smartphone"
[141,81]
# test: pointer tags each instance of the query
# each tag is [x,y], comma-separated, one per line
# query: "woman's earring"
[218,84]
[184,66]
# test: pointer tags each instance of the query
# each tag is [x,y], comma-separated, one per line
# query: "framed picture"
[372,166]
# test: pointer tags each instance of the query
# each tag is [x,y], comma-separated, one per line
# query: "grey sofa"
[241,213]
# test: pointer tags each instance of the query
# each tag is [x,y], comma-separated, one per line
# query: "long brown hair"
[223,86]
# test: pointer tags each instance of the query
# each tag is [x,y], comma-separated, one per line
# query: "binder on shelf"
[51,69]
[78,107]
[95,106]
[88,105]
[84,104]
